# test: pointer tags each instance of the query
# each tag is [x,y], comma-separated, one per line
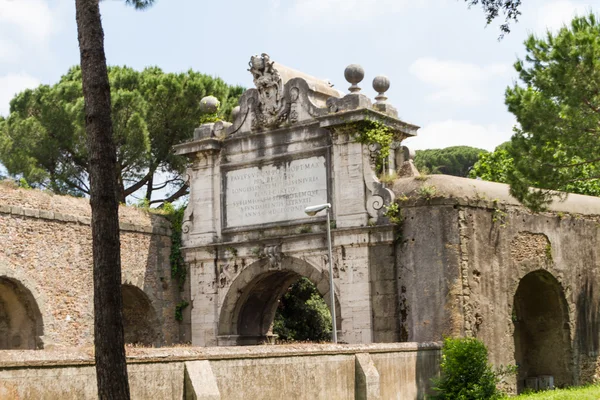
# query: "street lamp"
[312,211]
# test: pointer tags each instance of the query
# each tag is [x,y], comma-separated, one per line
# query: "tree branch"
[181,192]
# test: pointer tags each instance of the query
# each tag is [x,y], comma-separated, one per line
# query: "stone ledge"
[46,358]
[160,228]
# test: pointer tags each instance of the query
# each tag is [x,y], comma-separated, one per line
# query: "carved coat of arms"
[271,109]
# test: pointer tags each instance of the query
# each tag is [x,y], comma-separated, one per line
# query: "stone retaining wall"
[377,371]
[46,281]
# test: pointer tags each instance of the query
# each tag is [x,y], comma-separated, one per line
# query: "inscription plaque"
[274,192]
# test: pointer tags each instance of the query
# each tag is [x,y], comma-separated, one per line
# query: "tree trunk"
[111,367]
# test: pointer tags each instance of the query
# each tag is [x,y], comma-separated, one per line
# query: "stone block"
[46,214]
[367,378]
[29,212]
[200,382]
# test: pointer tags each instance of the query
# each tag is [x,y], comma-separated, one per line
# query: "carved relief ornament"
[271,109]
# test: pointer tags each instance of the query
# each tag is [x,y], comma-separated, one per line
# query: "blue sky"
[447,69]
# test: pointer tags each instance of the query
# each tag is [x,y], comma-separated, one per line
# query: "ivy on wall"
[372,132]
[178,268]
[175,217]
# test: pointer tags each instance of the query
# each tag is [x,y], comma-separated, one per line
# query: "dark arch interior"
[259,301]
[21,325]
[542,333]
[139,317]
[256,305]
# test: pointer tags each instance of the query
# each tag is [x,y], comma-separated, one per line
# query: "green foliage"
[23,184]
[427,192]
[455,160]
[375,133]
[178,267]
[591,392]
[465,372]
[557,106]
[394,213]
[43,138]
[493,8]
[494,166]
[179,309]
[302,314]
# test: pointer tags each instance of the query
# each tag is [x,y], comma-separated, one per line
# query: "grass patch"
[591,392]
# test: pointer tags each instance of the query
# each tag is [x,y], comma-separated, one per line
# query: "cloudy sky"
[448,71]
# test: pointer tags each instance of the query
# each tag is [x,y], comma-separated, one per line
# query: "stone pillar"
[202,219]
[201,228]
[348,182]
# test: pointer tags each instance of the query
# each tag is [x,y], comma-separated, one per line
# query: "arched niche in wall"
[21,324]
[139,317]
[542,331]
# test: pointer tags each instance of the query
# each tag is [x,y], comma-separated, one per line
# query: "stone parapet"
[402,370]
[159,225]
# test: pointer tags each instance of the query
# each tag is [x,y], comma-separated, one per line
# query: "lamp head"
[313,210]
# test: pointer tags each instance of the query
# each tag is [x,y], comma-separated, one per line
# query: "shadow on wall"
[587,331]
[139,318]
[542,331]
[427,367]
[21,324]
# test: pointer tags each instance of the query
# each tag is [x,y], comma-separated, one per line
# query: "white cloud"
[12,84]
[553,15]
[455,81]
[32,18]
[438,135]
[346,11]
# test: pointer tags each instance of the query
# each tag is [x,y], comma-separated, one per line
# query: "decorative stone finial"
[209,105]
[381,84]
[354,73]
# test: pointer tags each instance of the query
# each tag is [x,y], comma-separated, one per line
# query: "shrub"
[302,314]
[465,372]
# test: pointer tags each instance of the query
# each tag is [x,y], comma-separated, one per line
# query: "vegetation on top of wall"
[394,213]
[372,132]
[466,373]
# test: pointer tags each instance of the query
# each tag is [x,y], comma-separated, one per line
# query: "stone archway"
[21,324]
[250,304]
[542,331]
[139,317]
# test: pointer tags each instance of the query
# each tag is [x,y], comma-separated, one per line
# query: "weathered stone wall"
[46,257]
[401,371]
[473,262]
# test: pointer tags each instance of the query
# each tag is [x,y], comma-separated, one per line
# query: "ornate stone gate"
[294,142]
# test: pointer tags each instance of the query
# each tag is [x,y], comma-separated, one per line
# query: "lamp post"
[312,211]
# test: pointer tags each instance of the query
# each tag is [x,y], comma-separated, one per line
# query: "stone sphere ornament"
[209,105]
[381,84]
[354,74]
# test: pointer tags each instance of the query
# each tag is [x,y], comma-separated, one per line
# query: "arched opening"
[249,308]
[21,326]
[542,332]
[139,317]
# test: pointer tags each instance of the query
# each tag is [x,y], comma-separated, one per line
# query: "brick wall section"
[46,245]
